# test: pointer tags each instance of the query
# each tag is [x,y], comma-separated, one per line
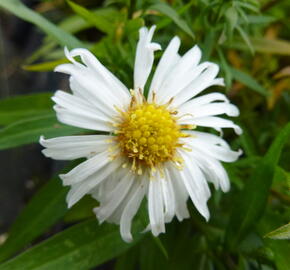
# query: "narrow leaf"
[99,21]
[161,246]
[44,210]
[29,130]
[249,81]
[279,249]
[232,17]
[46,66]
[280,233]
[246,38]
[82,246]
[226,69]
[249,6]
[19,107]
[264,45]
[174,16]
[281,253]
[20,10]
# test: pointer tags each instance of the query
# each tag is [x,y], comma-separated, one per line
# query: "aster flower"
[152,148]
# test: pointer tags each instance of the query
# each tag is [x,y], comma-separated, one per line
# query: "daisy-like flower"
[152,148]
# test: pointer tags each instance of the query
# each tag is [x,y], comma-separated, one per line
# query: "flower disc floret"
[149,134]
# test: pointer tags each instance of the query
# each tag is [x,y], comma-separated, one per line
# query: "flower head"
[152,148]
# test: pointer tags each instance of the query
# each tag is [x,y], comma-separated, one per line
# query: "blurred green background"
[249,39]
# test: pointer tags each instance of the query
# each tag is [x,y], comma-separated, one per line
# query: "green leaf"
[174,16]
[263,19]
[251,202]
[46,66]
[30,129]
[127,260]
[246,38]
[280,249]
[247,142]
[281,254]
[180,11]
[226,69]
[160,246]
[264,45]
[232,17]
[82,246]
[248,6]
[209,45]
[249,81]
[280,233]
[19,107]
[98,20]
[82,210]
[44,210]
[133,26]
[20,10]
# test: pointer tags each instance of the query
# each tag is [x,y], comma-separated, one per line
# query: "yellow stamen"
[148,135]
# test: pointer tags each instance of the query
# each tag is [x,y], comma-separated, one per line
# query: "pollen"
[148,135]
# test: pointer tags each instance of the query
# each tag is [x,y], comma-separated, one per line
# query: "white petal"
[180,194]
[97,87]
[221,175]
[213,122]
[202,100]
[196,185]
[166,63]
[155,207]
[116,196]
[131,209]
[82,121]
[68,68]
[213,169]
[70,58]
[203,81]
[78,105]
[216,151]
[188,61]
[73,147]
[81,83]
[86,169]
[144,57]
[94,90]
[206,138]
[102,191]
[179,79]
[114,85]
[75,111]
[78,190]
[210,109]
[168,197]
[115,217]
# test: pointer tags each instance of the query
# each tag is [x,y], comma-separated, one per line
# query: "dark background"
[22,169]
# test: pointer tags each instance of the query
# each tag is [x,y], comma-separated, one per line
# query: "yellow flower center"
[148,135]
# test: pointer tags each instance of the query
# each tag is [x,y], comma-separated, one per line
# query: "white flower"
[151,148]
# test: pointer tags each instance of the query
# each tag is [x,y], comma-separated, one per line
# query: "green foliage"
[30,129]
[44,210]
[100,21]
[79,247]
[249,39]
[251,203]
[19,107]
[264,45]
[20,10]
[248,81]
[173,15]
